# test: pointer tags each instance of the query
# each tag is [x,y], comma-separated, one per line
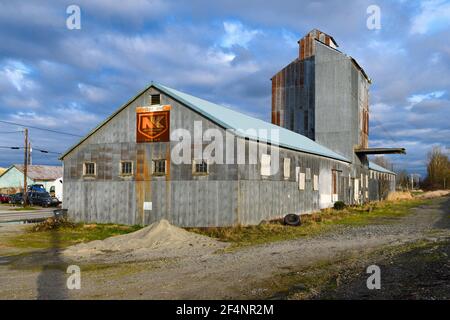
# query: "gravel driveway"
[244,273]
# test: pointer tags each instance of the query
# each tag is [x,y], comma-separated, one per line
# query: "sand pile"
[433,194]
[160,239]
[393,196]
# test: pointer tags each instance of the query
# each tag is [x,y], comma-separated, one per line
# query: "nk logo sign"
[153,126]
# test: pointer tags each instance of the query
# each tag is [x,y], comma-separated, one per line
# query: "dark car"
[42,199]
[16,198]
[4,198]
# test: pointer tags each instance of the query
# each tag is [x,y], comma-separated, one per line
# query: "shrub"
[339,205]
[53,224]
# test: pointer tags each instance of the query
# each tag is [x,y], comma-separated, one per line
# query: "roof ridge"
[309,146]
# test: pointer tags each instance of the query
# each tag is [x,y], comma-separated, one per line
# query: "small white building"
[56,189]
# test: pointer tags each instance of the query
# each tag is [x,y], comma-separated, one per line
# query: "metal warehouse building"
[234,169]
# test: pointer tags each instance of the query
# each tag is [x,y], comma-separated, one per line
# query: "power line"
[384,130]
[38,128]
[15,148]
[7,132]
[41,150]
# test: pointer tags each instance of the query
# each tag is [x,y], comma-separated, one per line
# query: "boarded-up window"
[301,181]
[265,164]
[334,178]
[89,169]
[287,168]
[316,182]
[155,99]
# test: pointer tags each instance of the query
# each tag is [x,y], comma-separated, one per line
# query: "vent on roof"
[155,99]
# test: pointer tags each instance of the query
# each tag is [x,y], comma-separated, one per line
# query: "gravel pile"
[159,240]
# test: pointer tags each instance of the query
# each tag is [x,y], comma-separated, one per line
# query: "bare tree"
[438,169]
[383,161]
[402,180]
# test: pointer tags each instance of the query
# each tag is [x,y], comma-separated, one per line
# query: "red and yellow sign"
[153,124]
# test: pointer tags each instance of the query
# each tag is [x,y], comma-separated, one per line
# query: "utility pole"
[30,151]
[25,169]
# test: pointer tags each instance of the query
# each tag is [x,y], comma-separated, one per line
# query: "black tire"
[292,220]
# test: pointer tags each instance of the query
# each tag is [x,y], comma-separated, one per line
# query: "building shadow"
[52,281]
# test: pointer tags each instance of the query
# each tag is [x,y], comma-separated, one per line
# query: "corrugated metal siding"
[230,194]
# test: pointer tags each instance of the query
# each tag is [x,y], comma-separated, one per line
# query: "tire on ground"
[292,220]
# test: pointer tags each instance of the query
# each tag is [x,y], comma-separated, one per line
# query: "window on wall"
[334,183]
[265,164]
[126,168]
[155,99]
[89,169]
[301,181]
[315,182]
[159,167]
[200,166]
[287,168]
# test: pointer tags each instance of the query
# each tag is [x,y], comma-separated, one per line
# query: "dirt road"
[262,271]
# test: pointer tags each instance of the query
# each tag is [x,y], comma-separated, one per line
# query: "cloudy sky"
[224,51]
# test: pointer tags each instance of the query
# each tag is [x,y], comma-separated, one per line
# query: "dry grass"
[312,224]
[399,195]
[433,194]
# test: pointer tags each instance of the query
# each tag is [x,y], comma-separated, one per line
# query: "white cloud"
[237,34]
[434,15]
[21,102]
[417,98]
[215,56]
[70,117]
[15,72]
[290,38]
[92,93]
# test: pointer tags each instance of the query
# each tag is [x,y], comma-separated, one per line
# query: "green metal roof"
[376,167]
[240,123]
[243,125]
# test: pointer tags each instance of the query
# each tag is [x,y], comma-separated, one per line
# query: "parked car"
[42,199]
[16,198]
[4,198]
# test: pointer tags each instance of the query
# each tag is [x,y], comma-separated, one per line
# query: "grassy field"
[380,212]
[66,236]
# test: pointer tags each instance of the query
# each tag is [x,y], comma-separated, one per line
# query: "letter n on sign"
[152,126]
